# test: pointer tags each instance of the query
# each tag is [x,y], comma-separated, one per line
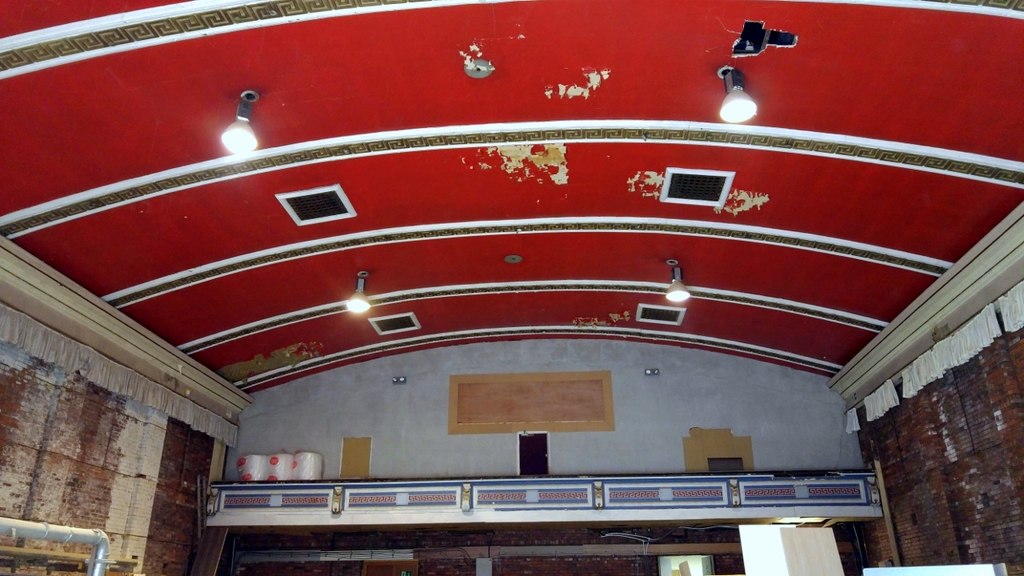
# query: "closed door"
[533,453]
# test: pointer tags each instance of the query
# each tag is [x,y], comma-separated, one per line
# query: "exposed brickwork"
[953,460]
[49,471]
[72,453]
[172,531]
[441,553]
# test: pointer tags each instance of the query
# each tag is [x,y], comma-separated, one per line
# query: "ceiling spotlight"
[239,137]
[357,302]
[738,106]
[676,291]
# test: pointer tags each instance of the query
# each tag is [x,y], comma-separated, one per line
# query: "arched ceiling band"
[77,41]
[451,338]
[725,231]
[838,146]
[778,304]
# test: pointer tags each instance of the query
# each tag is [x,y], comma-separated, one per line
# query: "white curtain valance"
[852,423]
[880,401]
[954,350]
[43,343]
[1011,306]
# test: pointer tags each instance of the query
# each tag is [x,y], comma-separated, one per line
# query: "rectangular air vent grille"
[660,314]
[397,323]
[699,187]
[317,205]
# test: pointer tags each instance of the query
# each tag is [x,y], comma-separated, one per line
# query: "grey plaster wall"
[796,423]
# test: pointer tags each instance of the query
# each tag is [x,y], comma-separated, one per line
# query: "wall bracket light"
[239,137]
[357,302]
[737,106]
[676,291]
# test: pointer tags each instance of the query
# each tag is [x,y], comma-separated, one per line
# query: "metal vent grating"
[660,314]
[317,205]
[397,323]
[700,187]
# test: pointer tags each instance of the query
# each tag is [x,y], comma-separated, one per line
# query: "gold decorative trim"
[526,227]
[295,158]
[171,26]
[617,334]
[456,292]
[791,308]
[261,11]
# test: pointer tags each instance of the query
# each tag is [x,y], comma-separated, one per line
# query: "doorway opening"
[533,453]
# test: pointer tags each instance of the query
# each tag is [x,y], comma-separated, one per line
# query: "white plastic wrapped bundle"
[281,466]
[308,466]
[253,467]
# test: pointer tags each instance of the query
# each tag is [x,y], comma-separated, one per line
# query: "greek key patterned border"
[681,339]
[338,152]
[209,20]
[456,292]
[526,227]
[264,11]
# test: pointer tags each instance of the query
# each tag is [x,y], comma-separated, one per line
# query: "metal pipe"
[46,531]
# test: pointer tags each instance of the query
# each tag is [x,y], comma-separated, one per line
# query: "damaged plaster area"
[282,357]
[741,201]
[570,91]
[755,38]
[596,321]
[474,63]
[473,53]
[524,162]
[647,183]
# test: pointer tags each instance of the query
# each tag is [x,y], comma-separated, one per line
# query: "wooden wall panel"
[548,401]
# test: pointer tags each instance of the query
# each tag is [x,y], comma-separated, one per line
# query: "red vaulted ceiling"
[887,143]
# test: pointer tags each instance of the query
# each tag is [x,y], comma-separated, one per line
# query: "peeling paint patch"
[282,357]
[595,321]
[474,63]
[742,200]
[570,91]
[530,162]
[647,183]
[468,56]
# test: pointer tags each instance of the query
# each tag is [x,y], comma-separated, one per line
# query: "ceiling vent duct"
[698,187]
[317,205]
[659,314]
[385,325]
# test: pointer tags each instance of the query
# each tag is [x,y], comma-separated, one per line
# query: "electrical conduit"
[44,531]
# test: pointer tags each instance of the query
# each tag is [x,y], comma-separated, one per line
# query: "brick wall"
[172,530]
[953,461]
[443,553]
[72,453]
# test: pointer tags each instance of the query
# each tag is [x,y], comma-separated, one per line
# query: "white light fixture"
[239,136]
[676,291]
[478,68]
[738,106]
[357,302]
